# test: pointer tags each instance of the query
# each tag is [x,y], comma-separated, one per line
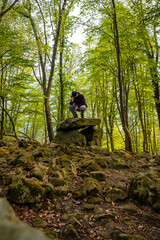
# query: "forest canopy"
[117,69]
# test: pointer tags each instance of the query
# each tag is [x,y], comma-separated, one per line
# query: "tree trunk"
[61,79]
[49,119]
[123,107]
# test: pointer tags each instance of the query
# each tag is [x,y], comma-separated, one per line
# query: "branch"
[8,9]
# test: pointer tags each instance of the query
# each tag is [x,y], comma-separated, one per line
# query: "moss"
[90,165]
[25,191]
[4,152]
[115,194]
[145,188]
[69,232]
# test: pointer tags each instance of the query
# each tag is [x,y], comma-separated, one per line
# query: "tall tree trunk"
[61,79]
[48,119]
[123,106]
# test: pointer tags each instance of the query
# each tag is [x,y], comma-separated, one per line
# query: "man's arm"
[72,101]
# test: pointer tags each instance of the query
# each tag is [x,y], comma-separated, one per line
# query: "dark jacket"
[79,100]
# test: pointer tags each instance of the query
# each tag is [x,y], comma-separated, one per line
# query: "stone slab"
[77,123]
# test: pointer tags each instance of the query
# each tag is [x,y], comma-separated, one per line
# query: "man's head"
[74,94]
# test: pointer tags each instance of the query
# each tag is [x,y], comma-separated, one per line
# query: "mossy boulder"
[25,160]
[25,191]
[145,188]
[90,187]
[115,194]
[89,165]
[40,171]
[4,152]
[70,137]
[69,232]
[118,235]
[99,175]
[6,178]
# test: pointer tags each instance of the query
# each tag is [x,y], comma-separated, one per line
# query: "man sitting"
[80,104]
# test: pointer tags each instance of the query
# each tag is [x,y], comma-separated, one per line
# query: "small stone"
[99,175]
[129,222]
[151,219]
[38,222]
[115,194]
[69,232]
[106,216]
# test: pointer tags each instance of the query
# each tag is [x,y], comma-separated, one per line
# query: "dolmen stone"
[79,131]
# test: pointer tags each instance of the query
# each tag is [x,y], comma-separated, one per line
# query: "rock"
[145,188]
[40,171]
[93,136]
[115,194]
[24,160]
[151,219]
[71,215]
[118,235]
[75,222]
[70,137]
[6,178]
[57,182]
[97,138]
[11,228]
[89,165]
[69,232]
[77,123]
[122,154]
[89,207]
[130,208]
[38,222]
[110,215]
[25,191]
[99,175]
[128,221]
[3,152]
[51,234]
[90,187]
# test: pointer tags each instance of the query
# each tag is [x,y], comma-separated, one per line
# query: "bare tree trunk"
[61,79]
[123,107]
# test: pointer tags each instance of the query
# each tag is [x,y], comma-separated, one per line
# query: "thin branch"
[8,9]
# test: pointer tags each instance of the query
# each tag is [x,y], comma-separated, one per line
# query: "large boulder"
[11,228]
[77,123]
[70,137]
[145,188]
[23,190]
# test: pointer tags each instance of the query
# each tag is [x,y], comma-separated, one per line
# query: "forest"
[116,69]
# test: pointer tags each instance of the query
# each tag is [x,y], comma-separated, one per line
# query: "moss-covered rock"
[99,175]
[69,232]
[89,165]
[25,191]
[110,215]
[115,194]
[89,187]
[118,235]
[151,219]
[39,222]
[128,221]
[130,208]
[25,160]
[4,152]
[6,178]
[70,137]
[57,182]
[145,188]
[40,171]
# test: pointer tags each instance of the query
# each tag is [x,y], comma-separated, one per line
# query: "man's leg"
[82,109]
[72,109]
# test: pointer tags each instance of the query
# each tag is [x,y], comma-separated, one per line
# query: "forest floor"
[96,218]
